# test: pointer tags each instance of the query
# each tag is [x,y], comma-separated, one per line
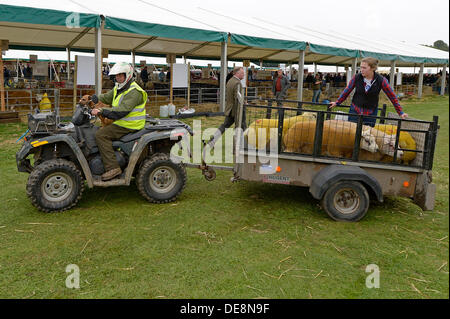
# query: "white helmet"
[122,67]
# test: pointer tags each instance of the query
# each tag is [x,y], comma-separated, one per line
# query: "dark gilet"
[369,99]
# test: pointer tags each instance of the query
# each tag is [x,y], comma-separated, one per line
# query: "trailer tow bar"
[208,171]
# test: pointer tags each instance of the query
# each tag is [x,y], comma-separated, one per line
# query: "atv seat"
[124,139]
[151,126]
[133,136]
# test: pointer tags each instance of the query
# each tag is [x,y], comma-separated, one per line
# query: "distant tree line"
[440,45]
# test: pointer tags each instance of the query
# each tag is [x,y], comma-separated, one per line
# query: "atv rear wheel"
[55,185]
[160,180]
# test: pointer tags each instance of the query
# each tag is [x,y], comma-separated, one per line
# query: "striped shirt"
[384,86]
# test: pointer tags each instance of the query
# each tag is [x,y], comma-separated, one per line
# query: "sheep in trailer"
[406,141]
[386,147]
[261,126]
[337,139]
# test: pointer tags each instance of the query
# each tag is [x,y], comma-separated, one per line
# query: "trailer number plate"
[276,179]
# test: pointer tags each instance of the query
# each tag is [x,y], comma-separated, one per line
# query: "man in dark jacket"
[6,76]
[28,72]
[144,76]
[229,76]
[280,86]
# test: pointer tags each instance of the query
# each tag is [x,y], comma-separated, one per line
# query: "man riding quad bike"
[66,155]
[128,101]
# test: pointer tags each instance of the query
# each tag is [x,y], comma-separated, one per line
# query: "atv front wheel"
[55,185]
[160,180]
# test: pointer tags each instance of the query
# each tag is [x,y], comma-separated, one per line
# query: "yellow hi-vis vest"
[135,120]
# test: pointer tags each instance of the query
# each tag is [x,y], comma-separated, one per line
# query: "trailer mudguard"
[335,173]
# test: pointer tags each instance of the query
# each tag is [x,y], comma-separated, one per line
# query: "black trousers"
[229,120]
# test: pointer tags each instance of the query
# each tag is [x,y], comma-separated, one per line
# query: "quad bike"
[66,157]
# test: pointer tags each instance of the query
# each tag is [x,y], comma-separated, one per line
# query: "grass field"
[223,239]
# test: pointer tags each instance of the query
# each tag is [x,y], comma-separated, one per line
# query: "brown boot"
[111,174]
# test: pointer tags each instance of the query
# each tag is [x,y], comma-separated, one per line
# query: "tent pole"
[133,59]
[301,66]
[443,78]
[17,73]
[68,64]
[171,83]
[2,81]
[420,89]
[347,75]
[189,84]
[75,71]
[354,66]
[223,74]
[315,69]
[98,59]
[392,74]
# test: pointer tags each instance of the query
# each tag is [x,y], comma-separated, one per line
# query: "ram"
[337,139]
[406,141]
[261,125]
[385,143]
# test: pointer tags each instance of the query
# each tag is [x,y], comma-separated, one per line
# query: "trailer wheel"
[346,201]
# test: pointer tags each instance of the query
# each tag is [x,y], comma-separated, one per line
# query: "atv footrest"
[118,181]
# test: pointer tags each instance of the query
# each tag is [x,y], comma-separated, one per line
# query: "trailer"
[343,184]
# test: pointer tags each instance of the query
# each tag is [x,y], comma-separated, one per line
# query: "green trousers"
[104,138]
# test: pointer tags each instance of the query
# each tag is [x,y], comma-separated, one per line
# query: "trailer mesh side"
[312,129]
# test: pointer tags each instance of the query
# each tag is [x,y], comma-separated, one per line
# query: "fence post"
[397,138]
[318,135]
[280,128]
[56,93]
[300,107]
[31,100]
[269,110]
[430,148]
[357,138]
[383,114]
[200,92]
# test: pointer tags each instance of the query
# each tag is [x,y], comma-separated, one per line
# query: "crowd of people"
[317,82]
[22,71]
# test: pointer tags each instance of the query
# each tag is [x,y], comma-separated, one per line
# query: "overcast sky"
[414,21]
[420,22]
